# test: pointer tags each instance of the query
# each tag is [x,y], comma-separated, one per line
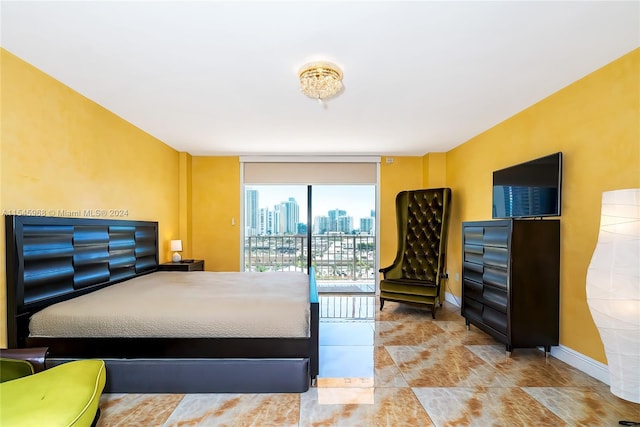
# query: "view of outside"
[343,231]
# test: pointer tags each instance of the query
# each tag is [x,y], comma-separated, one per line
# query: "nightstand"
[196,265]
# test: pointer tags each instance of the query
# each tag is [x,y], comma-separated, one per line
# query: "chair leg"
[381,303]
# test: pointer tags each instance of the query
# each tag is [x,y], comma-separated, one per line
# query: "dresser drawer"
[496,298]
[495,276]
[495,319]
[497,256]
[472,309]
[472,235]
[472,271]
[496,236]
[473,253]
[472,289]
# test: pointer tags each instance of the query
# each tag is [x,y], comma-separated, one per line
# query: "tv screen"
[528,190]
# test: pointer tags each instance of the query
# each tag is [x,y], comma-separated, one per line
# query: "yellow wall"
[186,205]
[405,173]
[434,170]
[216,204]
[595,122]
[61,151]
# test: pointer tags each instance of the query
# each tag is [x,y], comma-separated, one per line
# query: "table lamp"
[176,246]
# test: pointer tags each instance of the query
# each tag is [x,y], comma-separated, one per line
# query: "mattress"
[195,304]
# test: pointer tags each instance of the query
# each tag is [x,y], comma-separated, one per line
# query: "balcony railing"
[351,307]
[342,257]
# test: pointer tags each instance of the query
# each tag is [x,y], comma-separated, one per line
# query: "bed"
[89,288]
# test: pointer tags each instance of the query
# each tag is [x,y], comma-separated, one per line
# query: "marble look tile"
[394,311]
[346,396]
[445,366]
[447,312]
[585,406]
[386,373]
[530,368]
[416,333]
[258,410]
[394,407]
[481,406]
[457,331]
[133,410]
[629,411]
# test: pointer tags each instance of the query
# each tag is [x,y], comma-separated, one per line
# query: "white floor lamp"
[613,289]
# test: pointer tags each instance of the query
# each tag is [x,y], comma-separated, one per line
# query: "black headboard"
[52,259]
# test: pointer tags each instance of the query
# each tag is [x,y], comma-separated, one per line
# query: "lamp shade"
[176,245]
[613,289]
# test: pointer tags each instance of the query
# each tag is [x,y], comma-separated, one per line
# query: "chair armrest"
[35,356]
[385,270]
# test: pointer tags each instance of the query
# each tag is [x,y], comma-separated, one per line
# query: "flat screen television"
[529,190]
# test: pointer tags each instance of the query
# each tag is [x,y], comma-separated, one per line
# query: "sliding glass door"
[341,229]
[343,242]
[320,211]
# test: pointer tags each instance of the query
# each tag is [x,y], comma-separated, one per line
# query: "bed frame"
[53,259]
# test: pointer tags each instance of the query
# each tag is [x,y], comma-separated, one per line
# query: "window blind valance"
[312,172]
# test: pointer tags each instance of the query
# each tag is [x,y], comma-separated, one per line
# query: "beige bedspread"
[185,304]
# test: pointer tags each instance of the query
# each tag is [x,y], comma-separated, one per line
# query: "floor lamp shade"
[613,289]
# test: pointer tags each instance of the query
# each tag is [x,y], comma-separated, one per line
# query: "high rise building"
[344,224]
[367,225]
[333,219]
[289,216]
[271,223]
[276,222]
[320,225]
[252,215]
[263,226]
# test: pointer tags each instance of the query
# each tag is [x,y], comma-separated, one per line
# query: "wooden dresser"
[511,280]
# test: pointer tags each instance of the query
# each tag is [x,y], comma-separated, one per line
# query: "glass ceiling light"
[320,80]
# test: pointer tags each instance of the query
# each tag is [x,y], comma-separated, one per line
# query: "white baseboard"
[452,299]
[583,363]
[591,367]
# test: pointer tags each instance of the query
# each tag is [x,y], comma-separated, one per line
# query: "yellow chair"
[65,395]
[418,272]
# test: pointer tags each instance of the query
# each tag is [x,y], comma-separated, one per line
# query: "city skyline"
[357,200]
[350,208]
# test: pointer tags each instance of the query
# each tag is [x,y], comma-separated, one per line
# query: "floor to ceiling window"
[327,221]
[343,247]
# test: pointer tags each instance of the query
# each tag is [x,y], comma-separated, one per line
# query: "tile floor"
[398,367]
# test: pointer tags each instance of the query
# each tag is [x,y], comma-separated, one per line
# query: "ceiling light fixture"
[320,80]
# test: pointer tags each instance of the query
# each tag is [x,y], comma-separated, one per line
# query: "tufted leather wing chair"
[416,276]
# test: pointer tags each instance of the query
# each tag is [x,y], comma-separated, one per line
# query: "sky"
[357,200]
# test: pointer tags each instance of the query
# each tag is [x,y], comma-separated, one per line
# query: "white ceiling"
[220,78]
